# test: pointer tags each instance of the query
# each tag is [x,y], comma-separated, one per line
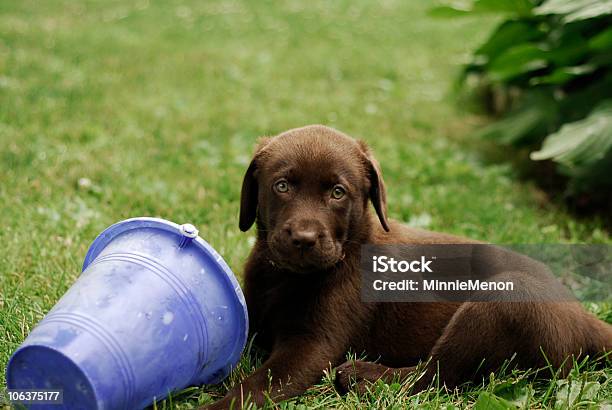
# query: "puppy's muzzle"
[304,245]
[304,234]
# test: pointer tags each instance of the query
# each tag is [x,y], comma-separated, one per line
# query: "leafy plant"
[548,66]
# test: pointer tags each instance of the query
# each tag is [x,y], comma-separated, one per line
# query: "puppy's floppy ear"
[249,192]
[377,192]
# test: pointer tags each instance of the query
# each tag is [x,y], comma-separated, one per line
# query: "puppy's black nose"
[303,239]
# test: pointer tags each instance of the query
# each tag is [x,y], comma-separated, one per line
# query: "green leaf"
[574,10]
[536,115]
[602,41]
[520,7]
[517,393]
[563,75]
[506,35]
[489,401]
[580,144]
[570,49]
[517,7]
[574,393]
[517,60]
[448,11]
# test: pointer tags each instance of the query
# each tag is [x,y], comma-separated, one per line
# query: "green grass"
[110,110]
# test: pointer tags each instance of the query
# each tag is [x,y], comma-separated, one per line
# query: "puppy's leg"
[357,374]
[476,331]
[291,369]
[481,336]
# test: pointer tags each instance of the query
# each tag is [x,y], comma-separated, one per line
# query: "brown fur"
[302,285]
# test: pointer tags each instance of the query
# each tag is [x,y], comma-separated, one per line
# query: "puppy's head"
[308,189]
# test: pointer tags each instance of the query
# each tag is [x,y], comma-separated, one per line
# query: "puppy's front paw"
[356,375]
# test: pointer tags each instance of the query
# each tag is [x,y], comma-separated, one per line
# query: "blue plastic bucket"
[155,310]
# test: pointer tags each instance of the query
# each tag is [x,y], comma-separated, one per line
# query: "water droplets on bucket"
[156,309]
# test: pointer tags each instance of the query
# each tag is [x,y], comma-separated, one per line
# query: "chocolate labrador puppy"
[308,190]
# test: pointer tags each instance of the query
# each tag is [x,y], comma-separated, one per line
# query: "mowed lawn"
[110,110]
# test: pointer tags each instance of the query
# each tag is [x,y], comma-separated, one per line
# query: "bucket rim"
[78,368]
[104,238]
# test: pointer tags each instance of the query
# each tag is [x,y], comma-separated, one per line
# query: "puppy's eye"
[338,192]
[281,186]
